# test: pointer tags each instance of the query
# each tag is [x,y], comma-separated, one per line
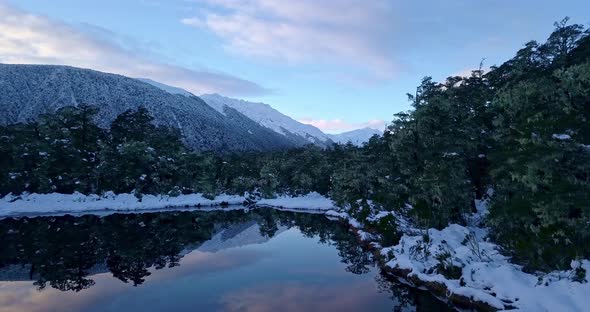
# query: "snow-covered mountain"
[356,137]
[27,91]
[265,115]
[269,117]
[209,122]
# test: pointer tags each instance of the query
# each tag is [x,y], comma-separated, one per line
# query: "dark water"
[262,260]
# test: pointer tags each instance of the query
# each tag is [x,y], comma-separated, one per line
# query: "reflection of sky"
[288,273]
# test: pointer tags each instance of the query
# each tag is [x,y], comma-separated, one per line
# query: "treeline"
[518,133]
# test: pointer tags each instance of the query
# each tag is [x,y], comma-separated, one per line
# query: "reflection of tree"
[357,259]
[267,222]
[128,269]
[63,250]
[406,298]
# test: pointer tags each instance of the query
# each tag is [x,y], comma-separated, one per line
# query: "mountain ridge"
[31,90]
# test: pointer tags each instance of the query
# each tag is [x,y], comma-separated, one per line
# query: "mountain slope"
[269,117]
[30,90]
[356,137]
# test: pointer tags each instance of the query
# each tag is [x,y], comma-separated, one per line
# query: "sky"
[336,64]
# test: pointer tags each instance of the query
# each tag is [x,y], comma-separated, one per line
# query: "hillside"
[31,90]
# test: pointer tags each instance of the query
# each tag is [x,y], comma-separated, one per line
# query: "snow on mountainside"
[356,137]
[31,90]
[167,88]
[268,117]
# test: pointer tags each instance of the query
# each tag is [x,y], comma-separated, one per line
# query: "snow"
[311,201]
[31,204]
[380,215]
[561,136]
[266,116]
[487,275]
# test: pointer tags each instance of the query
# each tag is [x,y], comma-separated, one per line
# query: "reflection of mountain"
[223,237]
[237,235]
[63,252]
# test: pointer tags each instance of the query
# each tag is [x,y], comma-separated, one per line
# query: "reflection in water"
[262,260]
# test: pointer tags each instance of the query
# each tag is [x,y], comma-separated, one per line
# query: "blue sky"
[338,64]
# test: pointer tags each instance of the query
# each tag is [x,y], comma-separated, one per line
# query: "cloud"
[339,125]
[33,39]
[330,31]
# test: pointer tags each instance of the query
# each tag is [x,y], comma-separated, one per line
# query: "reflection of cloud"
[23,296]
[355,32]
[347,296]
[33,39]
[198,262]
[339,125]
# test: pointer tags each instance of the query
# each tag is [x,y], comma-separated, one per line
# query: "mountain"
[265,115]
[28,91]
[356,137]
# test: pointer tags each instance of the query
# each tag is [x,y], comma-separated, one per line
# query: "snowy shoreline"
[488,282]
[43,204]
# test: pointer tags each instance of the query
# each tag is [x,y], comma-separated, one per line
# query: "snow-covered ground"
[311,201]
[486,275]
[31,204]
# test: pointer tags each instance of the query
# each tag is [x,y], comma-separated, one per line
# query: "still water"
[259,260]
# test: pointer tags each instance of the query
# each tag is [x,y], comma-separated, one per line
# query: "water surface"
[259,260]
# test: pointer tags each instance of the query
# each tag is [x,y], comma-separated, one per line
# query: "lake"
[235,260]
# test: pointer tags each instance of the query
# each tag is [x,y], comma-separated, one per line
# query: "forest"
[518,134]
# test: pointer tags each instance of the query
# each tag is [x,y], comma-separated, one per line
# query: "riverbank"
[461,265]
[31,204]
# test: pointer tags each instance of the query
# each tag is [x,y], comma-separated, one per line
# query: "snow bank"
[487,276]
[31,204]
[77,202]
[311,201]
